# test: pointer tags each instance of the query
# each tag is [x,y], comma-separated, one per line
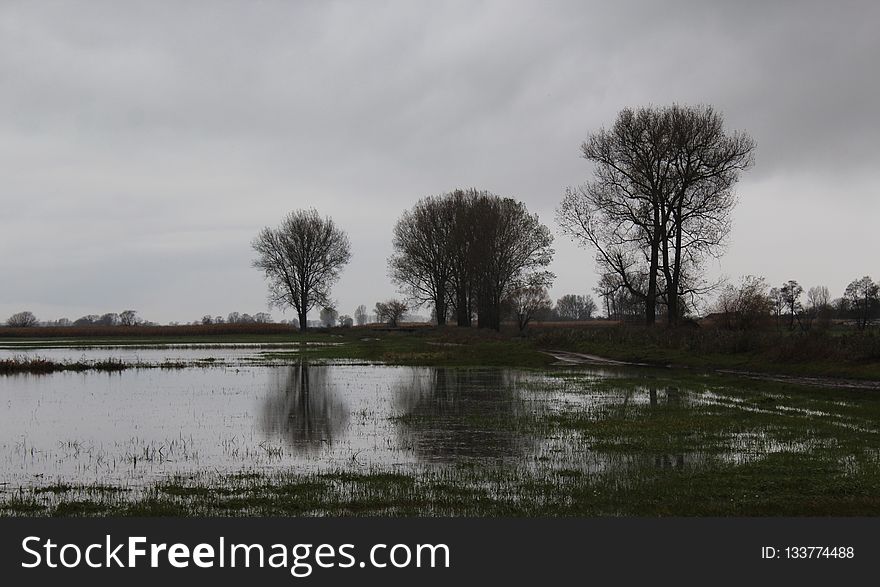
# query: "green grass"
[833,353]
[702,446]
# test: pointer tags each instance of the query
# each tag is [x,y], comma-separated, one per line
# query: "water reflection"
[672,399]
[304,408]
[455,414]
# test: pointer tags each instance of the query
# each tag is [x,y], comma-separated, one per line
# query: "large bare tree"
[511,247]
[301,259]
[468,250]
[422,260]
[659,202]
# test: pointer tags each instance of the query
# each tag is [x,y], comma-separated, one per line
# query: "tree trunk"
[440,309]
[462,307]
[651,294]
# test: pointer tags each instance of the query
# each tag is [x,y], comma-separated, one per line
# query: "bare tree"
[22,320]
[466,250]
[510,247]
[422,261]
[659,202]
[575,307]
[109,319]
[328,317]
[88,320]
[346,321]
[791,292]
[863,296]
[526,302]
[390,311]
[819,305]
[301,260]
[745,306]
[129,318]
[207,320]
[263,318]
[360,315]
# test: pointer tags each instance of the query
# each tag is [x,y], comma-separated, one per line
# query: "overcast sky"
[144,144]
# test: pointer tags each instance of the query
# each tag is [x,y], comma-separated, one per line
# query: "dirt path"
[570,358]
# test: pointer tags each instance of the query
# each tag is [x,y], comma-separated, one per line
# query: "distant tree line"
[236,318]
[125,318]
[752,303]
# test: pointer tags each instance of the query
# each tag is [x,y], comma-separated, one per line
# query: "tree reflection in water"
[303,409]
[673,401]
[461,414]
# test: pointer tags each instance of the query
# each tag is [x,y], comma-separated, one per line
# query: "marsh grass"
[39,365]
[655,445]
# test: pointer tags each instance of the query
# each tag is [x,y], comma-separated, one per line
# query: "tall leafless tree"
[659,202]
[423,254]
[467,250]
[301,260]
[360,315]
[512,247]
[863,296]
[791,292]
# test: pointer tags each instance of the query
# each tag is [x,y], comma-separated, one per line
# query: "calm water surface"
[139,425]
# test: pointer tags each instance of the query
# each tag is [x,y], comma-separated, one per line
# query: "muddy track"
[570,358]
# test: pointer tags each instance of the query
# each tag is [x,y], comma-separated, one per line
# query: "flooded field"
[234,413]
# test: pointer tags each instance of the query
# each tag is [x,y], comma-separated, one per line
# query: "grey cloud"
[124,126]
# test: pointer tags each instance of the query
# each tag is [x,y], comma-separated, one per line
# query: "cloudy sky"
[144,144]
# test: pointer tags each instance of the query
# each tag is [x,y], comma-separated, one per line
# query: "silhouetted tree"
[129,318]
[263,318]
[526,302]
[88,320]
[863,296]
[22,320]
[390,311]
[108,319]
[791,292]
[575,307]
[467,249]
[301,260]
[360,315]
[777,304]
[422,261]
[818,305]
[745,306]
[328,317]
[660,200]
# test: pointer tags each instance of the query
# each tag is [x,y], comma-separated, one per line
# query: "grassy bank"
[843,354]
